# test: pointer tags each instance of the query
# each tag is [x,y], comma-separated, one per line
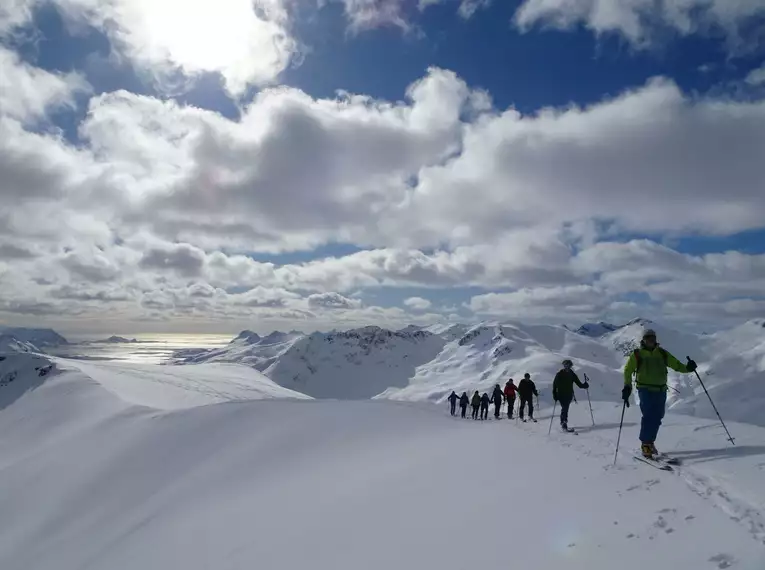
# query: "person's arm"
[577,381]
[676,365]
[629,369]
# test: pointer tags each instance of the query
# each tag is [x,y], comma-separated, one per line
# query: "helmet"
[649,332]
[527,375]
[567,362]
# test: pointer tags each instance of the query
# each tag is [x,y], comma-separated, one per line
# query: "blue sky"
[554,161]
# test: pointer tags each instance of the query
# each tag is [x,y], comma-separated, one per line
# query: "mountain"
[116,340]
[92,478]
[247,348]
[354,364]
[39,337]
[424,364]
[596,329]
[9,343]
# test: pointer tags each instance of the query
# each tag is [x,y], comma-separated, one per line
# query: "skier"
[453,402]
[485,406]
[649,363]
[563,390]
[527,390]
[510,397]
[464,401]
[496,398]
[475,403]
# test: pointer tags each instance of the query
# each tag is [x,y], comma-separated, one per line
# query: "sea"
[149,348]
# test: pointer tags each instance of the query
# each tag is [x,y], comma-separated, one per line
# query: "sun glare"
[227,36]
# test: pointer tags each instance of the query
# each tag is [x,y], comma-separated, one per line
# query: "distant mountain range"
[427,363]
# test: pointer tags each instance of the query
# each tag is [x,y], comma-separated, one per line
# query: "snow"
[90,480]
[172,387]
[596,329]
[38,337]
[9,343]
[424,364]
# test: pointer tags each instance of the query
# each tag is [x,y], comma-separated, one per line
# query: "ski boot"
[647,450]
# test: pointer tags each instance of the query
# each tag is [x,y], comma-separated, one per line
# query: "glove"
[555,396]
[586,385]
[626,391]
[691,365]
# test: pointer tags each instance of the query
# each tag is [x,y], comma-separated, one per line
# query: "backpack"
[639,361]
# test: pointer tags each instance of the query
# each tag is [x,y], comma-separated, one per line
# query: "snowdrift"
[170,387]
[88,480]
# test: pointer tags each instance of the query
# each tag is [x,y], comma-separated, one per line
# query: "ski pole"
[618,439]
[586,379]
[730,437]
[549,431]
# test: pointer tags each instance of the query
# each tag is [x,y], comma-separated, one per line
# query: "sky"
[195,165]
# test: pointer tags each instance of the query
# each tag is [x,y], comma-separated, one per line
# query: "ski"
[669,459]
[654,463]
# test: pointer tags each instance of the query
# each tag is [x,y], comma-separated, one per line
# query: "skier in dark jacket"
[527,390]
[510,397]
[496,398]
[475,403]
[464,401]
[453,397]
[485,406]
[563,390]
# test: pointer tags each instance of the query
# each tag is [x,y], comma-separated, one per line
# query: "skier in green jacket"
[649,363]
[563,390]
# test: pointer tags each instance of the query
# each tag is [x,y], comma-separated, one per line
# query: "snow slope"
[170,387]
[426,364]
[88,480]
[248,348]
[9,343]
[355,364]
[38,337]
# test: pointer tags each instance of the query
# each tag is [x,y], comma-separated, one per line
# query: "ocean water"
[150,348]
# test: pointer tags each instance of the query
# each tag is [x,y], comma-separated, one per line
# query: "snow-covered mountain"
[354,364]
[41,338]
[247,348]
[426,363]
[596,329]
[184,473]
[9,343]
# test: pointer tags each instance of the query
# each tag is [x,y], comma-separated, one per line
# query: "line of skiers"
[526,390]
[648,364]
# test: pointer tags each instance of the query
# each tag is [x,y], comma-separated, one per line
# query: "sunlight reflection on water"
[150,348]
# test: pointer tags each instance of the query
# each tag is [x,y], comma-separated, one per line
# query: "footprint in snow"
[723,560]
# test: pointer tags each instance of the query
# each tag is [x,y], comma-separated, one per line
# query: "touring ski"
[654,463]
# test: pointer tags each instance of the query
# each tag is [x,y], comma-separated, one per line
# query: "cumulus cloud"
[246,41]
[183,258]
[29,92]
[332,301]
[163,209]
[417,303]
[639,21]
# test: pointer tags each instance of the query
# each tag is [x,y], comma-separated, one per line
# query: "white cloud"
[162,210]
[640,21]
[756,76]
[367,14]
[246,41]
[417,303]
[27,93]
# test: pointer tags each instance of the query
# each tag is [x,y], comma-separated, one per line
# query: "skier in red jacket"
[510,397]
